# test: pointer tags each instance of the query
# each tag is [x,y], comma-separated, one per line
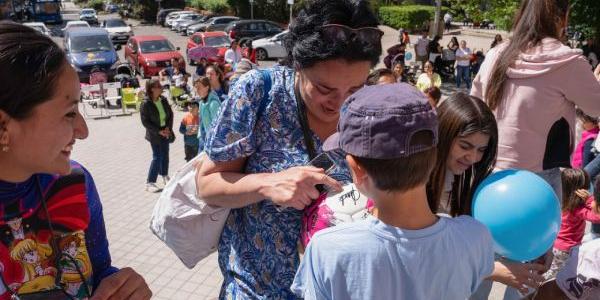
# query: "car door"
[277,49]
[256,30]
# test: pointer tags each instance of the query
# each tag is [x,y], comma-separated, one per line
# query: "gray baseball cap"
[379,122]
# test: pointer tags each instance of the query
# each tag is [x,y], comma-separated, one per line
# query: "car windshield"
[115,23]
[95,43]
[48,8]
[217,41]
[87,11]
[156,46]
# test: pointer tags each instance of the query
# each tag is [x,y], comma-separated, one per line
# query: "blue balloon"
[522,212]
[408,56]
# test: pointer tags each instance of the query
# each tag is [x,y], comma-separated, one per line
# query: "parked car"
[213,24]
[118,30]
[88,15]
[39,26]
[75,24]
[271,47]
[150,53]
[184,18]
[174,16]
[89,50]
[214,39]
[184,26]
[161,16]
[252,29]
[111,8]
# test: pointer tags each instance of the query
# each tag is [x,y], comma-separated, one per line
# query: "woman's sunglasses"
[365,35]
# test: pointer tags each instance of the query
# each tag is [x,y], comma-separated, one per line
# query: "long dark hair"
[30,64]
[535,20]
[573,180]
[306,45]
[462,115]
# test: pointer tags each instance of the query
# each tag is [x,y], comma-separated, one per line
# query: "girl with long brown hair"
[532,83]
[467,147]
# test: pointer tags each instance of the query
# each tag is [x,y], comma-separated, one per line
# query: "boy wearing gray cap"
[389,134]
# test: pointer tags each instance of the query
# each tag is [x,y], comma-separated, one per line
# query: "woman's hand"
[295,187]
[125,284]
[518,275]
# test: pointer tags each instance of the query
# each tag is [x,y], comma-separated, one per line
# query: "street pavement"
[118,157]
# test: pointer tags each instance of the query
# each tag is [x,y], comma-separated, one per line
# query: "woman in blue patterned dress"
[257,154]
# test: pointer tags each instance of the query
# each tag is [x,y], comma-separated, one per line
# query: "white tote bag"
[183,221]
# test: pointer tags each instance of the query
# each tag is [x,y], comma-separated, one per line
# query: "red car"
[215,39]
[150,53]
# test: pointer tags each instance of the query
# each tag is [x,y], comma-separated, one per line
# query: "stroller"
[124,75]
[445,64]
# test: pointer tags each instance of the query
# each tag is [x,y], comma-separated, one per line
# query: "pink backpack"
[330,210]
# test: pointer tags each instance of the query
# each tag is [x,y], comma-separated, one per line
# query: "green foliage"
[98,5]
[216,6]
[585,17]
[411,17]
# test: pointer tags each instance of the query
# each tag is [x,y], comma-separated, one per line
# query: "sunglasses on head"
[365,35]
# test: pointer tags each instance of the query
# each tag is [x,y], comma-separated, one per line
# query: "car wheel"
[261,54]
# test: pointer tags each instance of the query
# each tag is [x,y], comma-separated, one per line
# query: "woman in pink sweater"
[532,83]
[577,207]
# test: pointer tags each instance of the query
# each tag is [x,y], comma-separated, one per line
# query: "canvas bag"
[185,223]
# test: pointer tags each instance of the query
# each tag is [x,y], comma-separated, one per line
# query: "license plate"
[122,37]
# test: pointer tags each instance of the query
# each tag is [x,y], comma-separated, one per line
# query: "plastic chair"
[130,98]
[176,93]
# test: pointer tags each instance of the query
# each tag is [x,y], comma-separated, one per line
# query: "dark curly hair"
[30,63]
[305,44]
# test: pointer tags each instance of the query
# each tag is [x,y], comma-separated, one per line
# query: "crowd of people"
[418,158]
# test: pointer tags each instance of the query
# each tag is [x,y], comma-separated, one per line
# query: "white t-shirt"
[372,260]
[579,279]
[463,53]
[233,57]
[421,46]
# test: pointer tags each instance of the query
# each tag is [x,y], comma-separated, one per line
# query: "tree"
[585,14]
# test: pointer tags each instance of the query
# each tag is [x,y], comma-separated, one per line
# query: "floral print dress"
[258,249]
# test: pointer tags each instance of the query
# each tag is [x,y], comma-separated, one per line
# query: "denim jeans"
[593,169]
[463,73]
[160,160]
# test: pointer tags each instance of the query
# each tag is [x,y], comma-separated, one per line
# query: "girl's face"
[398,70]
[323,93]
[201,89]
[428,68]
[31,257]
[212,75]
[467,151]
[42,143]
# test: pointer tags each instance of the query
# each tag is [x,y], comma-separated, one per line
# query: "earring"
[5,148]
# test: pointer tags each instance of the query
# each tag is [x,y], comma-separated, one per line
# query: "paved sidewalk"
[118,157]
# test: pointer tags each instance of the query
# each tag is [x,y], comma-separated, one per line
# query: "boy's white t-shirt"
[579,279]
[371,260]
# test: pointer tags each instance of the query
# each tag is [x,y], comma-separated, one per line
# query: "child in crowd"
[434,94]
[577,207]
[381,76]
[579,279]
[189,128]
[583,152]
[389,133]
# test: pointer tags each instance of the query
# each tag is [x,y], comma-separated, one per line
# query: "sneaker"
[166,179]
[152,187]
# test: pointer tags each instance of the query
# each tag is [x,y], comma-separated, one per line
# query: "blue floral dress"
[258,248]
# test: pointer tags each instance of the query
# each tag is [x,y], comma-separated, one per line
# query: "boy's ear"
[360,175]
